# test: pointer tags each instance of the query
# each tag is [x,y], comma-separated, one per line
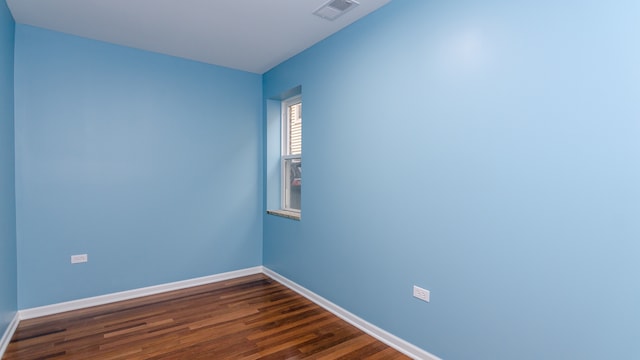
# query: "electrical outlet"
[422,294]
[82,258]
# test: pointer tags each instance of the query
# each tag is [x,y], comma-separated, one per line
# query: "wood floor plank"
[252,317]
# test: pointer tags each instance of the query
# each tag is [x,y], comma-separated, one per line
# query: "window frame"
[284,151]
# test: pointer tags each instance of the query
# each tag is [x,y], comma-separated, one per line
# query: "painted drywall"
[487,151]
[8,274]
[149,164]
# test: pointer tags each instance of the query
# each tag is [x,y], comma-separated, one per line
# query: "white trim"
[378,333]
[382,335]
[8,334]
[132,294]
[285,140]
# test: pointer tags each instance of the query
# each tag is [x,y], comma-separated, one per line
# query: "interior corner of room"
[471,169]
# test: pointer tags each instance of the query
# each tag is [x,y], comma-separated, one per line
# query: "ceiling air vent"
[335,8]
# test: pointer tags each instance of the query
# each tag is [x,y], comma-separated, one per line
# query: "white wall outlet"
[82,258]
[422,294]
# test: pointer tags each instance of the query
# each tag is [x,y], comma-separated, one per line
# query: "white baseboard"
[132,294]
[378,333]
[382,335]
[8,334]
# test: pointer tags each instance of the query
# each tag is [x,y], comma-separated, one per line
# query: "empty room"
[471,179]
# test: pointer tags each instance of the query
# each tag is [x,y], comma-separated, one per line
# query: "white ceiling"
[249,35]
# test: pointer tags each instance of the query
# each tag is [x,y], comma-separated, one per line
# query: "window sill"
[285,213]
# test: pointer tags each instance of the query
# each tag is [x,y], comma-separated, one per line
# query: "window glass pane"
[293,183]
[295,129]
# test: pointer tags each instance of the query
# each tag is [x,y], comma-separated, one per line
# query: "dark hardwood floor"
[252,317]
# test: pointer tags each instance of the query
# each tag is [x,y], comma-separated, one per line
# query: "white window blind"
[295,129]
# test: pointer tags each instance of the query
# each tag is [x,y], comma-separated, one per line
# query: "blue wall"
[8,275]
[150,164]
[486,150]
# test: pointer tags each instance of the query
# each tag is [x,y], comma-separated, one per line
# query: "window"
[283,153]
[291,155]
